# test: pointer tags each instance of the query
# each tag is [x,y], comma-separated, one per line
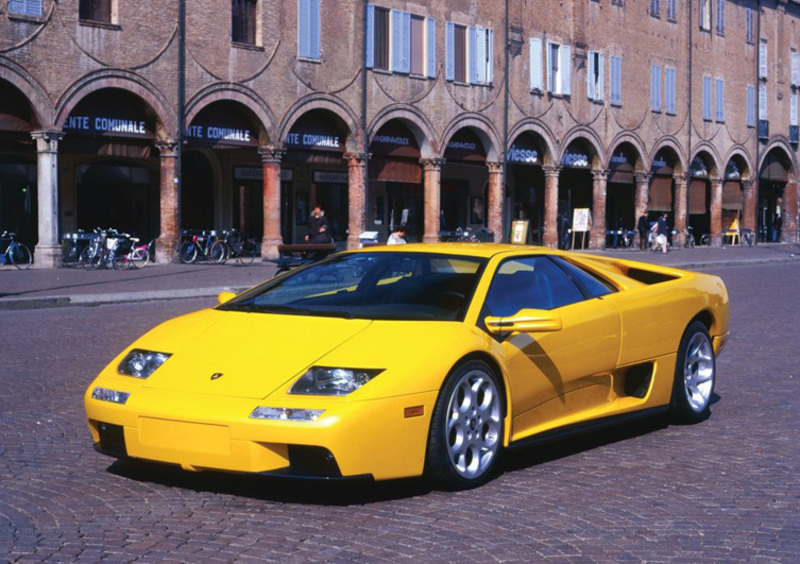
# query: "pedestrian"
[564,225]
[318,226]
[643,229]
[398,237]
[777,225]
[662,232]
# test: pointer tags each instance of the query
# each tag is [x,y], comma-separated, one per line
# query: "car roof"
[482,250]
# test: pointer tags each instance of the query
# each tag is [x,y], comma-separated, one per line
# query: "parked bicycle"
[72,246]
[15,253]
[234,245]
[689,240]
[197,246]
[130,254]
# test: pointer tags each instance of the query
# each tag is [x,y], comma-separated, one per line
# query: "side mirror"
[224,297]
[525,321]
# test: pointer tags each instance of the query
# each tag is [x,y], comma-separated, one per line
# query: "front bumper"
[202,432]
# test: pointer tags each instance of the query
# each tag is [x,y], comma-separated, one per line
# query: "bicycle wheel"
[188,253]
[87,257]
[705,240]
[689,241]
[246,252]
[139,257]
[119,261]
[20,255]
[219,252]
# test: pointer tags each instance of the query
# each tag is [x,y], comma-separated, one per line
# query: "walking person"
[643,229]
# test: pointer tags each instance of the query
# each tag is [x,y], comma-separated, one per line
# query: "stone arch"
[541,132]
[248,99]
[670,143]
[41,106]
[341,112]
[591,141]
[633,145]
[166,118]
[741,158]
[482,127]
[780,147]
[416,122]
[711,158]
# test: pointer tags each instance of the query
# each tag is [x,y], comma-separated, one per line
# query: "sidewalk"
[35,289]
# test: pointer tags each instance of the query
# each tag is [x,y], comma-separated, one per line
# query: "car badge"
[216,375]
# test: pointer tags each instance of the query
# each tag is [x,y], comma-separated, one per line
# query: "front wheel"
[219,252]
[705,240]
[466,434]
[695,374]
[246,252]
[21,256]
[188,252]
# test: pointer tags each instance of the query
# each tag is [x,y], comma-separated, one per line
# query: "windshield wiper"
[290,310]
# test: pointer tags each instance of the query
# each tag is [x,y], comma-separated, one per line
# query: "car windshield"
[377,285]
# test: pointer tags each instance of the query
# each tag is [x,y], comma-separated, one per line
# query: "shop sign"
[257,173]
[575,160]
[217,134]
[106,125]
[619,160]
[465,147]
[329,177]
[522,154]
[732,172]
[698,168]
[314,141]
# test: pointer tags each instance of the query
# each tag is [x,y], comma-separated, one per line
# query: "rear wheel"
[188,252]
[695,374]
[466,434]
[246,252]
[219,252]
[21,256]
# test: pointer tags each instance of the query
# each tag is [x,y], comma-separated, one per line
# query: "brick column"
[715,210]
[679,209]
[167,242]
[271,156]
[642,194]
[432,175]
[47,251]
[597,237]
[790,197]
[749,204]
[357,196]
[550,237]
[495,206]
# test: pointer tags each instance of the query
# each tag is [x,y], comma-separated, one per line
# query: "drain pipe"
[757,96]
[364,110]
[181,107]
[506,64]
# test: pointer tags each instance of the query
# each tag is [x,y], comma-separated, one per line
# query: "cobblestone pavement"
[725,490]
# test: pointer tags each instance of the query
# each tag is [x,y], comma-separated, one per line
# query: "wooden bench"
[291,255]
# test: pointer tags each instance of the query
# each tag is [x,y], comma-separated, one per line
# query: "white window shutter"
[706,97]
[472,55]
[480,55]
[616,80]
[762,59]
[490,56]
[450,56]
[669,79]
[17,7]
[396,34]
[590,77]
[303,28]
[751,102]
[600,78]
[720,100]
[795,68]
[548,57]
[793,109]
[536,63]
[370,32]
[405,42]
[430,64]
[762,101]
[314,28]
[566,70]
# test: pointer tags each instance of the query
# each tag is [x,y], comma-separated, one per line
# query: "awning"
[697,196]
[660,194]
[732,195]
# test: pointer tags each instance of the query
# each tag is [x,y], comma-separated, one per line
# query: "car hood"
[241,354]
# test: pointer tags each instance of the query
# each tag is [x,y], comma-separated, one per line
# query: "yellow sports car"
[413,360]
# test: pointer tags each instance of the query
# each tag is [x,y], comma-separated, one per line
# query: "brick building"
[396,112]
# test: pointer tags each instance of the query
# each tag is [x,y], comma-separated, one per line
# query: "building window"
[719,100]
[748,28]
[95,10]
[594,77]
[378,30]
[243,21]
[536,71]
[762,60]
[559,59]
[705,15]
[470,54]
[619,3]
[751,105]
[793,109]
[669,90]
[655,8]
[721,17]
[706,97]
[655,88]
[308,29]
[31,8]
[672,10]
[795,61]
[762,101]
[616,80]
[417,40]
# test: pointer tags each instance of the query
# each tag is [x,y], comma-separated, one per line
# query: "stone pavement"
[43,288]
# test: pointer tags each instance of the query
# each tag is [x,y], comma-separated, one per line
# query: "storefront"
[732,198]
[699,218]
[771,186]
[575,184]
[111,177]
[18,206]
[621,191]
[315,155]
[396,195]
[464,183]
[662,186]
[526,185]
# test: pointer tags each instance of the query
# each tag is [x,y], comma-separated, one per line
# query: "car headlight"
[141,364]
[286,414]
[328,381]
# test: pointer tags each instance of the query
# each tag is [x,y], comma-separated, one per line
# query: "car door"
[555,377]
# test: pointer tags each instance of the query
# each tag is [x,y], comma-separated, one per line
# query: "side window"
[592,286]
[530,283]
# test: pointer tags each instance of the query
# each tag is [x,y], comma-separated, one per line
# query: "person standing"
[643,229]
[662,233]
[397,237]
[777,225]
[318,226]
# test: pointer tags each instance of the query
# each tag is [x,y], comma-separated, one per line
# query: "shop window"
[616,80]
[400,42]
[308,15]
[751,104]
[719,100]
[721,17]
[669,90]
[655,88]
[748,27]
[559,59]
[705,15]
[707,98]
[470,54]
[594,76]
[30,8]
[96,11]
[243,21]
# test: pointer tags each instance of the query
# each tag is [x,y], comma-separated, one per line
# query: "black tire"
[21,256]
[91,257]
[246,252]
[695,376]
[188,252]
[465,439]
[219,252]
